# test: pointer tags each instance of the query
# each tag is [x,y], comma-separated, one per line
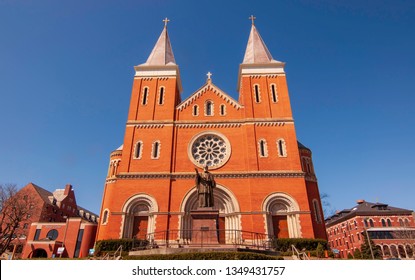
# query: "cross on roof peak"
[209,75]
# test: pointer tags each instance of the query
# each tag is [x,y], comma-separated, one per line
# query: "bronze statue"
[205,183]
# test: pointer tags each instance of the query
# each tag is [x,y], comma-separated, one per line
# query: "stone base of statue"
[204,226]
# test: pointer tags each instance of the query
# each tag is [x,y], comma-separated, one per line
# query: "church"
[265,181]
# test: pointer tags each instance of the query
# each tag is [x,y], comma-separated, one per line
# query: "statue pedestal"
[204,226]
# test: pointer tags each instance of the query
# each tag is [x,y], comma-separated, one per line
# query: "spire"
[162,53]
[256,51]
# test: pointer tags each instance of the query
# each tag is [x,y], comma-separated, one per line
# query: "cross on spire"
[252,18]
[166,20]
[209,75]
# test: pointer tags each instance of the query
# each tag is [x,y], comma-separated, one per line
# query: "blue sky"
[66,71]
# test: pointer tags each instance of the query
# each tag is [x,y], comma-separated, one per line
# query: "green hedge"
[206,256]
[284,244]
[111,245]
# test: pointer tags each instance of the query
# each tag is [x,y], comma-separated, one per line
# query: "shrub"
[206,256]
[112,245]
[309,244]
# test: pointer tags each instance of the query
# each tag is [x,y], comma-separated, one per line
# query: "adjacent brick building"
[265,177]
[71,239]
[391,229]
[50,210]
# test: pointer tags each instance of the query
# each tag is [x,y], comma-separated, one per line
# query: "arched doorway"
[39,253]
[281,216]
[229,219]
[139,214]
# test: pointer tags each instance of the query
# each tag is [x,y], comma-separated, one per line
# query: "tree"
[15,209]
[357,254]
[368,247]
[327,208]
[320,250]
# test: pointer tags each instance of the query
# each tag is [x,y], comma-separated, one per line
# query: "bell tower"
[147,148]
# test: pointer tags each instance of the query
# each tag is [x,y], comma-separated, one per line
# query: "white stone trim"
[113,167]
[282,153]
[225,202]
[158,149]
[271,94]
[212,111]
[139,156]
[159,95]
[256,90]
[144,96]
[265,148]
[223,161]
[224,109]
[105,221]
[195,107]
[292,213]
[209,87]
[128,217]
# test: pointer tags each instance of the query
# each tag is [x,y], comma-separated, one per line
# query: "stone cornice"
[222,214]
[210,124]
[224,175]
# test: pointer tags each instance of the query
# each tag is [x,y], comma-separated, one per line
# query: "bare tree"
[327,208]
[15,208]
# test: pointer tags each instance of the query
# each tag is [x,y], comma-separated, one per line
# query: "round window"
[52,234]
[210,149]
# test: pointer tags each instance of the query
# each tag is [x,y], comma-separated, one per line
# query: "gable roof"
[209,86]
[48,196]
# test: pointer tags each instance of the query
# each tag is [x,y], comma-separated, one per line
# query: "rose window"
[210,150]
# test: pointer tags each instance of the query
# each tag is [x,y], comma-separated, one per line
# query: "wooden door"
[140,227]
[280,226]
[221,230]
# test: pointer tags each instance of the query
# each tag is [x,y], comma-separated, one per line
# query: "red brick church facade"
[265,178]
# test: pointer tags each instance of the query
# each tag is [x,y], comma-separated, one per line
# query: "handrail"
[202,238]
[300,255]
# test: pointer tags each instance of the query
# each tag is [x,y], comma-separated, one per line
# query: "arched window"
[155,153]
[383,223]
[145,96]
[257,94]
[401,223]
[282,149]
[105,217]
[389,222]
[161,96]
[406,222]
[366,224]
[195,110]
[209,108]
[274,95]
[371,223]
[222,109]
[317,213]
[138,150]
[263,150]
